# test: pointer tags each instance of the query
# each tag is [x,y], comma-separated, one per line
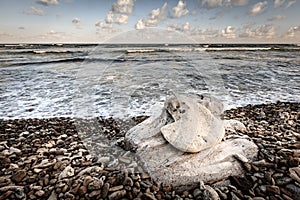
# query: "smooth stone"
[117,195]
[195,127]
[165,164]
[19,176]
[67,172]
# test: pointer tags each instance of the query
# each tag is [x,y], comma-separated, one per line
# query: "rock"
[149,195]
[82,190]
[194,128]
[105,190]
[117,195]
[273,189]
[295,173]
[6,195]
[165,164]
[294,190]
[149,128]
[96,184]
[210,194]
[128,181]
[116,188]
[39,193]
[67,172]
[18,176]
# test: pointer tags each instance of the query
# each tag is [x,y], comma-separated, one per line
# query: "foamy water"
[121,81]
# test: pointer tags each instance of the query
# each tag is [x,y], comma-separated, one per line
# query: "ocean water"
[119,80]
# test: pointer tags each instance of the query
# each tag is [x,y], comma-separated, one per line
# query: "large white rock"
[195,127]
[170,164]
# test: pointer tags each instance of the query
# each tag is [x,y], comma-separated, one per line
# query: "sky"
[98,21]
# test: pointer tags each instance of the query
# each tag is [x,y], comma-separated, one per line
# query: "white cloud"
[258,8]
[75,20]
[216,3]
[186,26]
[277,18]
[238,2]
[109,18]
[266,31]
[34,11]
[121,19]
[179,10]
[123,6]
[116,18]
[103,25]
[278,3]
[290,3]
[206,34]
[229,32]
[183,28]
[140,25]
[154,18]
[47,2]
[212,3]
[293,31]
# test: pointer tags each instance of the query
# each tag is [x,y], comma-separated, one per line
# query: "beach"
[51,159]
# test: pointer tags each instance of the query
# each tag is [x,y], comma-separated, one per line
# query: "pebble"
[48,159]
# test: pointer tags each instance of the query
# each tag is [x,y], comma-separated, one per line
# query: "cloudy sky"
[205,21]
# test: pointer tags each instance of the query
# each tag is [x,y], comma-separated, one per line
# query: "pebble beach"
[52,159]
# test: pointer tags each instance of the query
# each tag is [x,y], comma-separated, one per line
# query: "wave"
[200,49]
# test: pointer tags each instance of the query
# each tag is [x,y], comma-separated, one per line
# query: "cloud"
[155,16]
[140,25]
[212,3]
[206,34]
[47,2]
[293,31]
[258,8]
[33,11]
[123,6]
[109,17]
[183,28]
[121,19]
[277,18]
[179,10]
[103,25]
[278,3]
[266,31]
[217,15]
[229,32]
[21,28]
[290,3]
[215,3]
[75,20]
[116,18]
[238,2]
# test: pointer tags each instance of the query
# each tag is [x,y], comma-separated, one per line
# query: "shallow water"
[115,80]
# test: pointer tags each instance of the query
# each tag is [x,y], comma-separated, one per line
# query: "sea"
[125,80]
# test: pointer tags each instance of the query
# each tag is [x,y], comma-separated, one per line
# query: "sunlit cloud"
[47,2]
[179,10]
[216,3]
[258,8]
[278,3]
[179,27]
[229,32]
[290,3]
[277,18]
[155,16]
[293,31]
[123,6]
[33,11]
[266,31]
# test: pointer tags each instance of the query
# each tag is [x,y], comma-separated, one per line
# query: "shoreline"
[67,158]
